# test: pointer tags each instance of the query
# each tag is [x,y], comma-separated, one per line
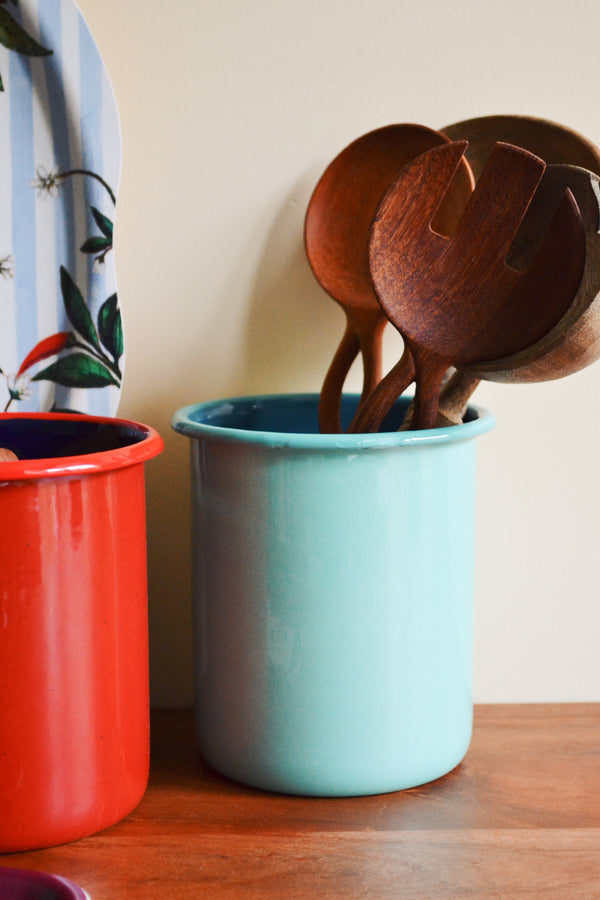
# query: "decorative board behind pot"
[61,340]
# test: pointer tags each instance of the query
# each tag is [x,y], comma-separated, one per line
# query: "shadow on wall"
[293,326]
[169,576]
[169,568]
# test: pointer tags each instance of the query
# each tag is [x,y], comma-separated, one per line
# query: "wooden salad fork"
[456,300]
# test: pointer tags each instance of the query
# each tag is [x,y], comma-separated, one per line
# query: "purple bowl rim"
[66,889]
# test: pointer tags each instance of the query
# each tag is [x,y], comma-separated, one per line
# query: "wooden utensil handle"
[454,397]
[331,392]
[430,370]
[377,405]
[370,331]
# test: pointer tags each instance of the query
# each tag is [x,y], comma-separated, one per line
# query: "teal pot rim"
[126,443]
[201,420]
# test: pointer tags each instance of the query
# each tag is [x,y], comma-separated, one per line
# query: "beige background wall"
[230,110]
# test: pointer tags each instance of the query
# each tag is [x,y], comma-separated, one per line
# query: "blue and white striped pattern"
[57,114]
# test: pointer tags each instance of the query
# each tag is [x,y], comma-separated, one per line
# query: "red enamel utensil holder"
[74,698]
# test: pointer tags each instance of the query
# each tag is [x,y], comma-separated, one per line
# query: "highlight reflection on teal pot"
[333,596]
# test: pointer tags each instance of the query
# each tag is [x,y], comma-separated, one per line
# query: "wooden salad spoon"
[7,455]
[336,233]
[456,301]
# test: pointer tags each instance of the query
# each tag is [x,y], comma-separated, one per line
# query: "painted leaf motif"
[110,327]
[96,245]
[103,223]
[78,370]
[76,309]
[15,38]
[50,346]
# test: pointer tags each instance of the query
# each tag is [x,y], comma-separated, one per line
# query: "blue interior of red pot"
[48,438]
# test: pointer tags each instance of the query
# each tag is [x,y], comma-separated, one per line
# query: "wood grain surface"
[519,818]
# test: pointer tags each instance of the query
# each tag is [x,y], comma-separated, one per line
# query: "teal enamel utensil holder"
[333,595]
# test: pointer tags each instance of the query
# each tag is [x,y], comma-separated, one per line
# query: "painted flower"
[47,184]
[18,386]
[7,266]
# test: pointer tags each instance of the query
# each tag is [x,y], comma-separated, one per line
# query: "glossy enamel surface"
[73,643]
[333,596]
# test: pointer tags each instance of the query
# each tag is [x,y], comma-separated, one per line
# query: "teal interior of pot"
[290,413]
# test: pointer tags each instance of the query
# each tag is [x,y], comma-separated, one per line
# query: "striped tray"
[61,338]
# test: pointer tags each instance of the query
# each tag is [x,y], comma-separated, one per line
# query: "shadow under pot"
[74,697]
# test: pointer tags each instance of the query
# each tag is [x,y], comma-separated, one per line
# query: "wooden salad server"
[336,236]
[456,300]
[555,144]
[574,342]
[577,334]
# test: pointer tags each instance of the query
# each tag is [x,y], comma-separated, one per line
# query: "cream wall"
[230,110]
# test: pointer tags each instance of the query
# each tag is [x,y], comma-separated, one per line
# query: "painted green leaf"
[77,370]
[103,223]
[15,38]
[76,309]
[95,245]
[110,327]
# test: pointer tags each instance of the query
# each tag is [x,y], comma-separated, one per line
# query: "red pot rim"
[148,446]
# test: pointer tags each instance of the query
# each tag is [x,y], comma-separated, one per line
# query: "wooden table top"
[519,818]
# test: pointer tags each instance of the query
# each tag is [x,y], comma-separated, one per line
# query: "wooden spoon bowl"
[552,142]
[336,235]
